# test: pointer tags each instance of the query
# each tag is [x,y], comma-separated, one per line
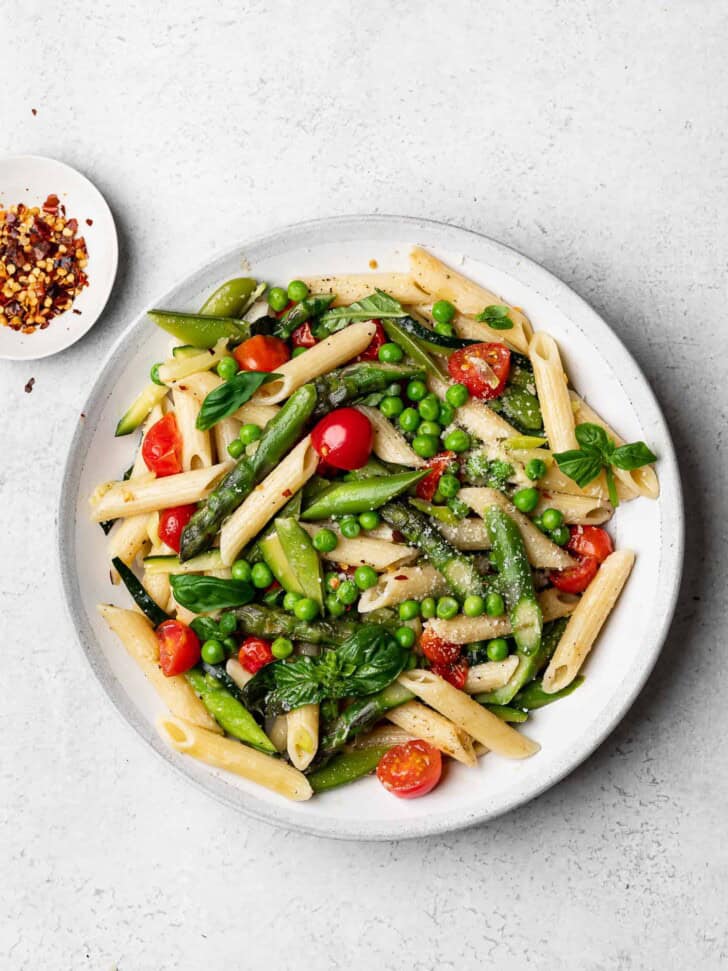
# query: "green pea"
[230,645]
[449,485]
[430,428]
[457,440]
[535,469]
[350,527]
[447,414]
[227,368]
[370,519]
[390,406]
[365,577]
[552,519]
[428,608]
[416,390]
[348,592]
[526,499]
[538,523]
[445,329]
[212,651]
[409,420]
[154,373]
[474,605]
[298,351]
[494,605]
[429,408]
[426,446]
[447,608]
[277,298]
[408,610]
[228,623]
[390,354]
[394,389]
[236,448]
[260,574]
[281,647]
[334,606]
[306,609]
[405,636]
[443,312]
[290,600]
[332,581]
[297,291]
[498,649]
[250,433]
[561,535]
[457,395]
[325,540]
[460,508]
[240,570]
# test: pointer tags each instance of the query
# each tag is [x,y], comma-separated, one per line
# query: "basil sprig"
[598,451]
[496,316]
[374,307]
[203,594]
[229,396]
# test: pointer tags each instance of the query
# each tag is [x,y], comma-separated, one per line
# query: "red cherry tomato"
[162,447]
[172,522]
[302,336]
[456,672]
[255,653]
[436,649]
[179,647]
[411,769]
[427,487]
[590,541]
[343,439]
[262,353]
[372,351]
[577,578]
[467,367]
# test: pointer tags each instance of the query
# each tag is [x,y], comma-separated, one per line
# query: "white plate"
[601,369]
[31,179]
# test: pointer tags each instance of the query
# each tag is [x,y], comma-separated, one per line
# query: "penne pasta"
[577,510]
[587,620]
[356,286]
[467,630]
[553,393]
[478,722]
[490,675]
[277,732]
[377,553]
[388,444]
[423,722]
[475,416]
[196,444]
[116,500]
[302,735]
[253,413]
[403,583]
[237,672]
[224,432]
[232,756]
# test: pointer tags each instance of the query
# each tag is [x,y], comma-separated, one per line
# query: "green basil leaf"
[580,466]
[379,304]
[376,657]
[206,628]
[593,439]
[231,395]
[632,456]
[496,316]
[203,594]
[297,683]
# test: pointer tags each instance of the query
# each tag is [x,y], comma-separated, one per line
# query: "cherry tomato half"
[436,649]
[171,523]
[427,487]
[411,769]
[162,447]
[372,351]
[590,541]
[456,672]
[467,367]
[302,336]
[179,647]
[577,578]
[255,653]
[262,353]
[343,439]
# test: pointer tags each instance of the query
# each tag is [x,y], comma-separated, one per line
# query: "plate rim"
[113,244]
[528,272]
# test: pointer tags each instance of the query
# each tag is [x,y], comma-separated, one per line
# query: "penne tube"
[277,732]
[196,444]
[478,722]
[177,368]
[237,672]
[356,286]
[157,586]
[587,620]
[467,630]
[423,722]
[224,432]
[232,756]
[556,603]
[403,583]
[444,283]
[116,500]
[553,393]
[388,444]
[541,551]
[323,357]
[252,413]
[138,637]
[490,675]
[384,736]
[577,510]
[266,499]
[475,416]
[302,735]
[377,553]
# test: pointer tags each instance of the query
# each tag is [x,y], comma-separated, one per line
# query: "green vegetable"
[353,498]
[277,299]
[494,605]
[414,349]
[154,375]
[552,518]
[306,609]
[390,353]
[528,665]
[354,381]
[228,712]
[198,329]
[447,608]
[431,429]
[444,330]
[334,606]
[359,716]
[377,306]
[308,309]
[212,651]
[535,469]
[447,414]
[442,514]
[230,645]
[449,485]
[261,575]
[408,610]
[426,446]
[479,470]
[206,629]
[429,408]
[409,420]
[298,351]
[390,407]
[227,368]
[598,451]
[405,636]
[515,579]
[346,767]
[497,649]
[325,540]
[533,696]
[416,390]
[139,409]
[260,621]
[496,316]
[297,290]
[281,648]
[520,407]
[235,448]
[204,594]
[348,592]
[428,608]
[290,600]
[443,312]
[305,565]
[431,340]
[369,520]
[350,527]
[250,433]
[474,605]
[457,395]
[225,400]
[140,596]
[457,440]
[508,714]
[365,577]
[561,535]
[231,299]
[241,570]
[526,500]
[228,623]
[171,564]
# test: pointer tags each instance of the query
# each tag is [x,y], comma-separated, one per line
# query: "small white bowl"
[30,179]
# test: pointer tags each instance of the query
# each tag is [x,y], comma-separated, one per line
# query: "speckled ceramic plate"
[601,369]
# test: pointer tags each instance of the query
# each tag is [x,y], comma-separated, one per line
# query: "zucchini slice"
[171,564]
[139,409]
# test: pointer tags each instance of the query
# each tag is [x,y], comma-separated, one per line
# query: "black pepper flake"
[29,385]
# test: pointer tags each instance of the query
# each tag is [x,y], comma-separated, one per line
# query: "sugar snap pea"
[345,498]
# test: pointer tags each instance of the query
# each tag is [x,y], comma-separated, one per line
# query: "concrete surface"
[590,136]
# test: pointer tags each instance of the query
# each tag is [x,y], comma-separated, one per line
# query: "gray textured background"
[590,136]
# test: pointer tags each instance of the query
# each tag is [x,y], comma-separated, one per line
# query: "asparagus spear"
[280,435]
[263,622]
[356,380]
[533,695]
[347,767]
[528,666]
[361,715]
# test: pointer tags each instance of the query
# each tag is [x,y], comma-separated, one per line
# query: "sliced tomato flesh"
[575,579]
[438,465]
[482,368]
[410,770]
[590,541]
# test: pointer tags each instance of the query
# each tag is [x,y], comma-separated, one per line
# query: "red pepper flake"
[89,222]
[74,311]
[34,111]
[29,385]
[287,493]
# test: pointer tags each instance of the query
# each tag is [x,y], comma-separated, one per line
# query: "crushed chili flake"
[42,264]
[89,222]
[29,385]
[34,111]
